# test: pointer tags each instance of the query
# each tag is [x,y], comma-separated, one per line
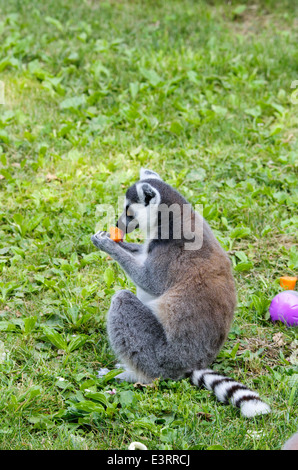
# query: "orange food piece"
[116,234]
[288,282]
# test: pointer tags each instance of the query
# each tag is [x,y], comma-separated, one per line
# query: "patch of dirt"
[270,349]
[255,19]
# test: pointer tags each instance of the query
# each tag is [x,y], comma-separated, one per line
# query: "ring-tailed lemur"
[178,321]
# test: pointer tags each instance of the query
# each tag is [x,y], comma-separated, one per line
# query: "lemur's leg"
[137,337]
[128,260]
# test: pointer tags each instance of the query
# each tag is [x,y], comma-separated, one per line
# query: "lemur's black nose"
[117,223]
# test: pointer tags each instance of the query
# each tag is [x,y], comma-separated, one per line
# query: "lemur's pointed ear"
[147,194]
[146,174]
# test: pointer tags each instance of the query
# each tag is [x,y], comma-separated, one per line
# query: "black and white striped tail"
[229,391]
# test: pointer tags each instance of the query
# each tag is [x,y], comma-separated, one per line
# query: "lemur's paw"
[102,234]
[100,238]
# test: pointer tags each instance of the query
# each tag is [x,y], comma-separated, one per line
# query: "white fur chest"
[144,297]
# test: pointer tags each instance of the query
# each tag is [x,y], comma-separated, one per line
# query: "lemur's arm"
[133,248]
[128,257]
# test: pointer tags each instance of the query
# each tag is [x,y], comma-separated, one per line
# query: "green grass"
[199,91]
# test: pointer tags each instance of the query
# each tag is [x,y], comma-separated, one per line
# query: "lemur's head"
[143,203]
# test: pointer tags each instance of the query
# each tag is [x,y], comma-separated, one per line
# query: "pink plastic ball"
[284,307]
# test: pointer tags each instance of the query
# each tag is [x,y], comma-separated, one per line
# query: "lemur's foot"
[102,372]
[126,376]
[132,377]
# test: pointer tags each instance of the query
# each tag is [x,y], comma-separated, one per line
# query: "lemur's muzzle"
[126,223]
